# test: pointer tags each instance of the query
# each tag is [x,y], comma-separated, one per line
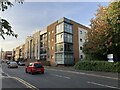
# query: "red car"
[35,67]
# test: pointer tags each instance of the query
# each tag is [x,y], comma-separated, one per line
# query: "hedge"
[98,66]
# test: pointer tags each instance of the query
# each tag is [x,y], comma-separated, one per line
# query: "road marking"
[94,83]
[85,74]
[61,76]
[26,83]
[22,81]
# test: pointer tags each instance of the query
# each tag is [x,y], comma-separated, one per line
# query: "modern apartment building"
[60,43]
[36,43]
[17,53]
[65,41]
[29,48]
[43,44]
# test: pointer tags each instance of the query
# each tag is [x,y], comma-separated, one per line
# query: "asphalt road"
[52,78]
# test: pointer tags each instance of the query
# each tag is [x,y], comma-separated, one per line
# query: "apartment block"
[29,48]
[43,45]
[36,43]
[18,53]
[60,43]
[64,42]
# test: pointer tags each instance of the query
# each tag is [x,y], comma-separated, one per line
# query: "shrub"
[98,66]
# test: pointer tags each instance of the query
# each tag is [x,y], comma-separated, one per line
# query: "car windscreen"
[38,65]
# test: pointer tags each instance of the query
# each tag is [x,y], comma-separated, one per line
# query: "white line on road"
[61,76]
[26,83]
[22,81]
[103,85]
[85,74]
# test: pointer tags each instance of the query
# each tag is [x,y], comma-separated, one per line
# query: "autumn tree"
[5,27]
[104,36]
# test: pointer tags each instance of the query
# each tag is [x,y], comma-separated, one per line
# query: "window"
[68,47]
[80,32]
[43,57]
[68,28]
[52,48]
[43,51]
[52,39]
[59,38]
[68,38]
[80,39]
[38,65]
[81,56]
[59,56]
[59,47]
[80,48]
[52,31]
[59,28]
[68,56]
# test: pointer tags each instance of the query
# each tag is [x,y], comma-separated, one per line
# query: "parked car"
[34,67]
[12,64]
[21,63]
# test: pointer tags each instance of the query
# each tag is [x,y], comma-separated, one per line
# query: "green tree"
[113,20]
[104,36]
[5,27]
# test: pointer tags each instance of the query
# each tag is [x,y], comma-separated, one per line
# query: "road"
[52,78]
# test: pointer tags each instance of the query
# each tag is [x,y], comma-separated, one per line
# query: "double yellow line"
[26,83]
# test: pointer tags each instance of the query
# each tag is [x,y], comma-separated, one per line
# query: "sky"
[33,16]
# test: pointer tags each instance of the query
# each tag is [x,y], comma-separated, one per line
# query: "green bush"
[98,66]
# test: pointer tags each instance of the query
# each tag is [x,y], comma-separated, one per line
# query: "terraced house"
[60,43]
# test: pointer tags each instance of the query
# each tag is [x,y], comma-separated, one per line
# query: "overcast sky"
[31,16]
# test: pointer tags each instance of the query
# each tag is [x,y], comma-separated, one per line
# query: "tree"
[5,27]
[114,31]
[104,36]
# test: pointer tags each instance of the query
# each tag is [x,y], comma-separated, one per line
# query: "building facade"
[60,43]
[29,48]
[43,45]
[7,55]
[36,47]
[64,42]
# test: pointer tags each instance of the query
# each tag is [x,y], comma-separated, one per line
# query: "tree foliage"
[104,36]
[5,27]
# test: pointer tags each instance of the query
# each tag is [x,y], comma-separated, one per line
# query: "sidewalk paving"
[70,68]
